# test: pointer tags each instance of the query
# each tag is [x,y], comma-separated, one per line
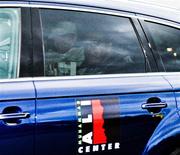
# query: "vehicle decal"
[98,125]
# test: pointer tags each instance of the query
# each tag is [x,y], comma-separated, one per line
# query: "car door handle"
[14,116]
[154,105]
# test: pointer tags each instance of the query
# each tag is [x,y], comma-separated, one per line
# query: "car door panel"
[126,124]
[17,97]
[173,79]
[16,90]
[56,126]
[137,124]
[163,38]
[102,85]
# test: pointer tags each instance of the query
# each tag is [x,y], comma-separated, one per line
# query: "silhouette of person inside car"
[65,55]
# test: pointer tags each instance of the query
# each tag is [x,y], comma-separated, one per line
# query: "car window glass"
[167,43]
[9,42]
[77,43]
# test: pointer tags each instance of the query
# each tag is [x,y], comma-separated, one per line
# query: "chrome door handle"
[14,116]
[154,105]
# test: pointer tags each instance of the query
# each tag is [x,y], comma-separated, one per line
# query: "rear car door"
[164,38]
[96,97]
[17,95]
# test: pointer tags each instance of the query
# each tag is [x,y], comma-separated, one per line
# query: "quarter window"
[166,41]
[78,43]
[9,42]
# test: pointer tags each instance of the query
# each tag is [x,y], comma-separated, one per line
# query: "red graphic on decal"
[99,136]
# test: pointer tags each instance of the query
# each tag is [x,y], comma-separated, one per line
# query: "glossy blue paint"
[17,137]
[99,86]
[56,110]
[17,90]
[166,136]
[138,125]
[174,80]
[169,127]
[56,126]
[57,113]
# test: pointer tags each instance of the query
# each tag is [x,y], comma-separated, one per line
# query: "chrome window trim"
[107,12]
[72,8]
[159,21]
[90,9]
[32,79]
[83,9]
[20,41]
[122,13]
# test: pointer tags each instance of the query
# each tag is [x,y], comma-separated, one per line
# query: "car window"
[166,41]
[9,42]
[79,43]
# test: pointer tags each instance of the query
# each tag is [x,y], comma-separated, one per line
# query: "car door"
[17,95]
[164,39]
[96,96]
[127,121]
[17,117]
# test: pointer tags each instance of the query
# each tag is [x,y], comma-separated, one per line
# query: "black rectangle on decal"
[112,119]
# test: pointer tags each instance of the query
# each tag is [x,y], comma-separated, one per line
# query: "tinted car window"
[9,42]
[166,41]
[77,43]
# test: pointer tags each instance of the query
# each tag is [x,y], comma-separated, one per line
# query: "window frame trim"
[157,20]
[38,43]
[152,46]
[128,75]
[149,59]
[20,43]
[26,43]
[130,16]
[157,57]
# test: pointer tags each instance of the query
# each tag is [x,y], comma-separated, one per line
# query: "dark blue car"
[89,78]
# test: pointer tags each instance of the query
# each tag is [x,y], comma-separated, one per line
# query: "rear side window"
[9,42]
[78,43]
[166,41]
